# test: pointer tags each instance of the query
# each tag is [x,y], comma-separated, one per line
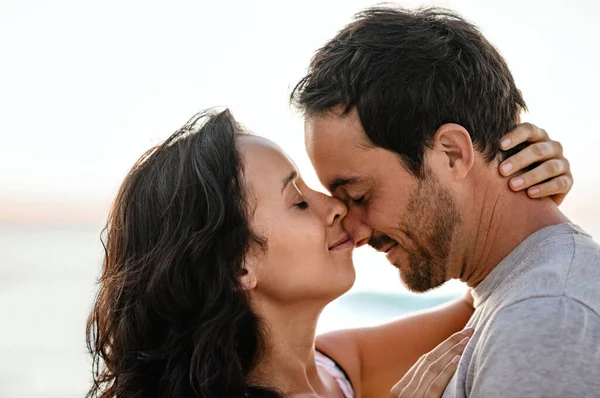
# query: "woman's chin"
[343,283]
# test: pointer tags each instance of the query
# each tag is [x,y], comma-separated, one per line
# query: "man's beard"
[430,220]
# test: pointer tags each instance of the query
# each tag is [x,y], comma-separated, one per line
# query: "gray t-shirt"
[537,322]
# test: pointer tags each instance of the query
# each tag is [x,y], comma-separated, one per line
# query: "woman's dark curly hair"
[170,318]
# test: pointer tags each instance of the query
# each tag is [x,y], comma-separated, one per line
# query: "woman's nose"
[336,210]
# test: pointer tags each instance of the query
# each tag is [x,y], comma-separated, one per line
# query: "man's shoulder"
[567,266]
[583,278]
[538,324]
[546,313]
[552,309]
[544,346]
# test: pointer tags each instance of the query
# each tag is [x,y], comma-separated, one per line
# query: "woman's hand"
[429,377]
[552,178]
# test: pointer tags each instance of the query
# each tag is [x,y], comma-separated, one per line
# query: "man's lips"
[390,248]
[342,243]
[397,256]
[387,248]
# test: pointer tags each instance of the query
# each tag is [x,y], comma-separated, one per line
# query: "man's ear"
[454,148]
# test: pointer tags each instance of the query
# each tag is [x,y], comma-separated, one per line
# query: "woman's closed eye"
[302,205]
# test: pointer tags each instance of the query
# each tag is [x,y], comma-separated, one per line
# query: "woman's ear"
[248,273]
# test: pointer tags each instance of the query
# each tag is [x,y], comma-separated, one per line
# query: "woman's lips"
[343,243]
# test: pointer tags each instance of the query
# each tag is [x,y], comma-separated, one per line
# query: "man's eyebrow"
[338,182]
[291,177]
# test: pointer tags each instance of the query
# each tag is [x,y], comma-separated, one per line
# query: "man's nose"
[356,228]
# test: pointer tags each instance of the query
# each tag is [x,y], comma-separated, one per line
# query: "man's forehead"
[336,146]
[337,166]
[333,125]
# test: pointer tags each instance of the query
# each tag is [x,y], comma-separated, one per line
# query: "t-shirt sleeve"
[540,347]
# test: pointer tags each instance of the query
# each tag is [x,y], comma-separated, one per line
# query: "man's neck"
[288,361]
[504,221]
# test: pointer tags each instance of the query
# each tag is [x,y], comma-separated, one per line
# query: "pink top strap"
[327,364]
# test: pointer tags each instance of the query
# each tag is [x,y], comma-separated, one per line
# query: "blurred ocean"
[47,284]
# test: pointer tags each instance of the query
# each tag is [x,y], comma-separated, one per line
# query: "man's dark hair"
[407,72]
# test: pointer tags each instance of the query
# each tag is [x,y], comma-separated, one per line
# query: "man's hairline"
[366,143]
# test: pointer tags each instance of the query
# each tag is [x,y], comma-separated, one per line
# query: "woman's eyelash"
[302,205]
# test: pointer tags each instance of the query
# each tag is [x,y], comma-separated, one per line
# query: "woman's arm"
[376,358]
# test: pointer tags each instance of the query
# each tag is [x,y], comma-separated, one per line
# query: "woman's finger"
[434,369]
[556,186]
[524,132]
[534,153]
[438,386]
[552,178]
[411,384]
[410,389]
[447,344]
[547,170]
[399,387]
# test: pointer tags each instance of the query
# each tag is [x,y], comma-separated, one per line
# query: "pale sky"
[87,87]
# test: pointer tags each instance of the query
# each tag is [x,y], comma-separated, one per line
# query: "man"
[404,112]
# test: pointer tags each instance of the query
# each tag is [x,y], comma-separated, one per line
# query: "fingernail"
[534,191]
[467,331]
[465,341]
[506,167]
[505,143]
[517,182]
[456,359]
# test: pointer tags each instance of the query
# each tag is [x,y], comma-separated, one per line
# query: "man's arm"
[540,347]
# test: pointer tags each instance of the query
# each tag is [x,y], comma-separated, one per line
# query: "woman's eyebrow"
[291,177]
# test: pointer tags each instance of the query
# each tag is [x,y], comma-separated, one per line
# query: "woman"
[219,260]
